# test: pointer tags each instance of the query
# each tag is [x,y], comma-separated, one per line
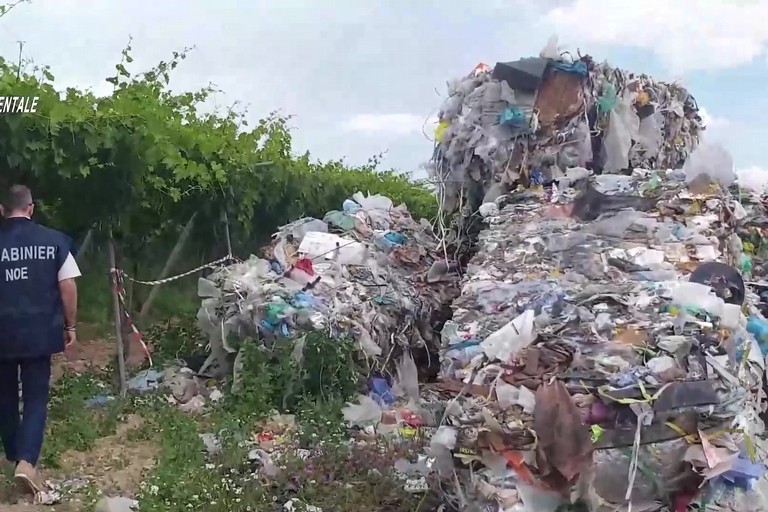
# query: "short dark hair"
[17,198]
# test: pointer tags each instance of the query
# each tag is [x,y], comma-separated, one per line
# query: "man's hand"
[70,338]
[70,344]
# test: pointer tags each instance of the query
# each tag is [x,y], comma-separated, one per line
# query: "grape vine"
[142,160]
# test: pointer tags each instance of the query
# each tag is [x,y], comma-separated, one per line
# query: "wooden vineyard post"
[118,317]
[85,245]
[172,259]
[226,232]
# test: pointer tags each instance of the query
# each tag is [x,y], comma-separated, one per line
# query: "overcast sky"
[363,76]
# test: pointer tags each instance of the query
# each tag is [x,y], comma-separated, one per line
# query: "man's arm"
[68,272]
[68,290]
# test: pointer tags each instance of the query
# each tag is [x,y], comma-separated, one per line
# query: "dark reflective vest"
[31,313]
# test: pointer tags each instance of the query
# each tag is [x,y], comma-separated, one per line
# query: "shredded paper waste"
[606,346]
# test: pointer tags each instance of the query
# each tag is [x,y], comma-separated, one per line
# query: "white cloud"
[713,122]
[395,124]
[753,178]
[685,34]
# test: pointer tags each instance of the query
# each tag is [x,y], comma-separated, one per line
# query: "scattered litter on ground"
[145,381]
[99,401]
[296,505]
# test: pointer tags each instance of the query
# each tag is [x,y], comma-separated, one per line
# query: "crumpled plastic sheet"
[662,474]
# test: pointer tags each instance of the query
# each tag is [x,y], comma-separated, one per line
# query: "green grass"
[73,426]
[337,477]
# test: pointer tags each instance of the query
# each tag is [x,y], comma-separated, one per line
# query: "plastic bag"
[406,383]
[207,289]
[512,338]
[713,160]
[508,395]
[583,143]
[649,135]
[698,296]
[608,99]
[308,225]
[550,51]
[375,202]
[366,411]
[623,127]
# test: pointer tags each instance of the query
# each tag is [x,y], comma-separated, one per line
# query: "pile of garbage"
[368,271]
[604,357]
[530,120]
[607,349]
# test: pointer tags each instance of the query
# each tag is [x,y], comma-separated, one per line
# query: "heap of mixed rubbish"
[606,349]
[369,272]
[605,352]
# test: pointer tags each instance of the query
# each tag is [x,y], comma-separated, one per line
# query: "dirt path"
[114,466]
[92,354]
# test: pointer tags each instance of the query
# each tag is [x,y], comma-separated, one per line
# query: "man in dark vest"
[38,310]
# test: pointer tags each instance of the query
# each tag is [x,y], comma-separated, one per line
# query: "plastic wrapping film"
[661,472]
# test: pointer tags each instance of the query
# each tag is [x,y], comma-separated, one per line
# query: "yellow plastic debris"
[440,130]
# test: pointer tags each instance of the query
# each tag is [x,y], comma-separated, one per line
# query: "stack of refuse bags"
[602,356]
[368,271]
[529,120]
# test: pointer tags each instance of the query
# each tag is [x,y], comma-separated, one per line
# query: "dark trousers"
[22,433]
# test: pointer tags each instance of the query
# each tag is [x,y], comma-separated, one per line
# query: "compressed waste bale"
[551,113]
